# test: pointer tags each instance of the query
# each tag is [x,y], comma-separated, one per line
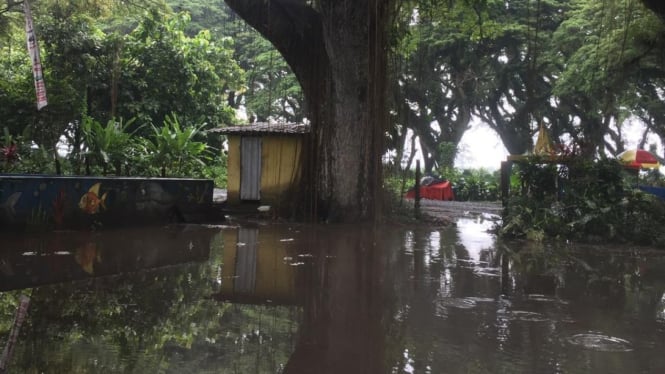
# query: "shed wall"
[233,170]
[280,167]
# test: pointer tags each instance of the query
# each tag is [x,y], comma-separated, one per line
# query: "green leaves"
[111,144]
[585,202]
[172,147]
[169,150]
[165,71]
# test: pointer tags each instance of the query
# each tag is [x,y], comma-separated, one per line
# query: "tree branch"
[288,24]
[296,31]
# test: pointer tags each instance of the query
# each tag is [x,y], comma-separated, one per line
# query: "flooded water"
[326,299]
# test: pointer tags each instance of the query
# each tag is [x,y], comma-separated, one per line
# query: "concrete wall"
[37,201]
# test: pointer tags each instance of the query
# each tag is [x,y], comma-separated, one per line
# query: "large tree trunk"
[658,6]
[337,52]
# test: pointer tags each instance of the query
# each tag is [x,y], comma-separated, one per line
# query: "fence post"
[416,204]
[506,170]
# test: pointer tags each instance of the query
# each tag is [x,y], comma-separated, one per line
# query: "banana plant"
[108,145]
[172,147]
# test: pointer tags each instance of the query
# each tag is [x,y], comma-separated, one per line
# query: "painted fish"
[91,202]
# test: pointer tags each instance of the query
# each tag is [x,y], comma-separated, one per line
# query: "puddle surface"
[327,299]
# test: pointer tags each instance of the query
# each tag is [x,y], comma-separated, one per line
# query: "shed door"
[250,168]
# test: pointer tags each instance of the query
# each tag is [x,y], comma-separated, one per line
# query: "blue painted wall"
[38,201]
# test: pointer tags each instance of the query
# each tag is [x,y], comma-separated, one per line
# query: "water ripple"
[460,303]
[599,342]
[487,272]
[523,315]
[545,298]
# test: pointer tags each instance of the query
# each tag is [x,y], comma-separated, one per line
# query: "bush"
[473,184]
[585,202]
[468,184]
[172,150]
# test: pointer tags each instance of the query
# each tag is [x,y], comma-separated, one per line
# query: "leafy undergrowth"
[592,202]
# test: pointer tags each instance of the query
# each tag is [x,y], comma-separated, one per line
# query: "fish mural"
[7,208]
[64,203]
[90,202]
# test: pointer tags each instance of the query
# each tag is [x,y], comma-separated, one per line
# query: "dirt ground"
[442,211]
[435,210]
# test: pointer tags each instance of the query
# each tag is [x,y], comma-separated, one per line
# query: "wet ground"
[326,299]
[454,210]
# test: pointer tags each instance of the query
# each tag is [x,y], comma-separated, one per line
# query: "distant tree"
[162,70]
[612,69]
[519,69]
[437,75]
[93,69]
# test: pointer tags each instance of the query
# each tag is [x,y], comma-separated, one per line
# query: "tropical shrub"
[474,184]
[173,148]
[17,155]
[585,201]
[216,170]
[109,145]
[468,184]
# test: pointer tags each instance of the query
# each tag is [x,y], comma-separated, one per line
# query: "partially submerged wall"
[39,201]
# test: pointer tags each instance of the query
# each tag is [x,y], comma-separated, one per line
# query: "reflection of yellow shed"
[264,161]
[254,273]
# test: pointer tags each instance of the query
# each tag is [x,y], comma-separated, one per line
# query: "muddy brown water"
[258,298]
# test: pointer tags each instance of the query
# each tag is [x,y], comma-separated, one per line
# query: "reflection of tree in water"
[506,310]
[370,301]
[435,272]
[593,275]
[343,302]
[155,321]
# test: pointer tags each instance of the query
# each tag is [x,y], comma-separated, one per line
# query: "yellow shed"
[264,161]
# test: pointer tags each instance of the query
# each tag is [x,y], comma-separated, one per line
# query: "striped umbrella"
[639,159]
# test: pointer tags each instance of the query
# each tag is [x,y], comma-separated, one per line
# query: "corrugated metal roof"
[264,128]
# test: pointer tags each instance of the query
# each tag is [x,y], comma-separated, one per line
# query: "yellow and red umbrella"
[639,159]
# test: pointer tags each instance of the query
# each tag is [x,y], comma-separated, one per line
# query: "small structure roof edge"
[264,128]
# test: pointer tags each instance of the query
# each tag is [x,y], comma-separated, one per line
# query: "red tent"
[435,191]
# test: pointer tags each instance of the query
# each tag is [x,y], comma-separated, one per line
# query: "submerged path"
[459,209]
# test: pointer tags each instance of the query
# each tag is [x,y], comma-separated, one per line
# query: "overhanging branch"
[288,24]
[658,6]
[296,31]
